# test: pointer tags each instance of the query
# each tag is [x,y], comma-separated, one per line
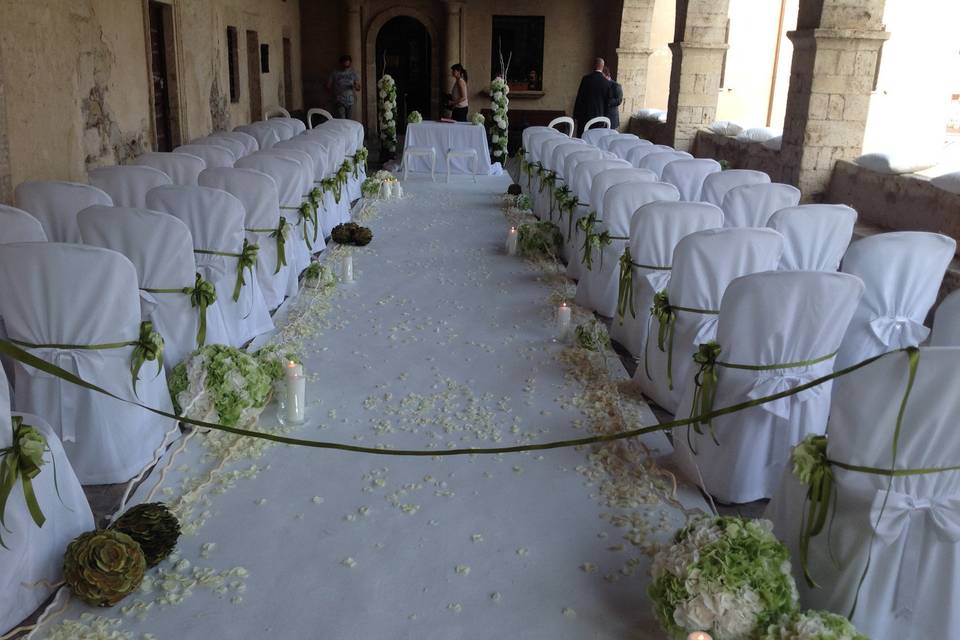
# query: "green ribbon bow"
[705,381]
[22,461]
[355,165]
[332,184]
[663,313]
[360,157]
[148,347]
[604,239]
[280,235]
[308,215]
[625,290]
[585,224]
[202,294]
[812,468]
[246,259]
[547,178]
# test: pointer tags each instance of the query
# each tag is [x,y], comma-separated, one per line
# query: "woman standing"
[458,93]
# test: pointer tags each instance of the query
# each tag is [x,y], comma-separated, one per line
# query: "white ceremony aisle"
[441,341]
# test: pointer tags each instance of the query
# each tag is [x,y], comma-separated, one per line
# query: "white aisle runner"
[441,341]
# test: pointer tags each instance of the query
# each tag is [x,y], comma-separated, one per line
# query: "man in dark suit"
[616,99]
[593,96]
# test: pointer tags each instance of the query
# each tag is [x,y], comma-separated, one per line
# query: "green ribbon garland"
[585,224]
[280,235]
[547,177]
[21,461]
[331,184]
[246,259]
[202,294]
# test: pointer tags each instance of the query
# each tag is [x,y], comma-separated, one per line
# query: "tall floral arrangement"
[387,112]
[499,102]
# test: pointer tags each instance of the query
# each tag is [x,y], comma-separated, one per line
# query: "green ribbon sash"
[202,295]
[280,235]
[666,316]
[585,224]
[604,239]
[22,461]
[246,259]
[625,291]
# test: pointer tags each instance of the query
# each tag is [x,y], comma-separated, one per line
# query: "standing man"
[616,99]
[344,82]
[593,96]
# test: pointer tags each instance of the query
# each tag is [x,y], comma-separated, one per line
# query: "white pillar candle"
[385,190]
[398,190]
[699,635]
[296,398]
[564,317]
[512,242]
[347,268]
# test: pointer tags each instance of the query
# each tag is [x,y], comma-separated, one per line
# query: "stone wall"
[740,155]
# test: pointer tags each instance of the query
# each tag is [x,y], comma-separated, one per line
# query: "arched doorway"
[403,50]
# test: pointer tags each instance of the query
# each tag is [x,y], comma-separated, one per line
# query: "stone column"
[697,64]
[836,51]
[6,181]
[454,49]
[354,48]
[633,54]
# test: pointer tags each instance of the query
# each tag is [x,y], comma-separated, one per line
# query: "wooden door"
[253,76]
[160,74]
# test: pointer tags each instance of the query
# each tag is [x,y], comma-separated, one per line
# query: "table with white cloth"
[444,136]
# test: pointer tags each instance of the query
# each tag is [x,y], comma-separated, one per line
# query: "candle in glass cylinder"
[347,268]
[398,191]
[295,400]
[564,317]
[512,242]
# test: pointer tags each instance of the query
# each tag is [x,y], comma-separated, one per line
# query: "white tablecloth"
[447,135]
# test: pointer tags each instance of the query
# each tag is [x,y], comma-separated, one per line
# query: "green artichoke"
[351,233]
[101,567]
[362,237]
[514,189]
[153,527]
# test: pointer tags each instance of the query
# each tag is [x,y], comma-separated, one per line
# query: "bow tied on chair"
[625,289]
[585,224]
[280,235]
[202,295]
[247,259]
[898,331]
[147,347]
[777,380]
[308,215]
[812,468]
[22,461]
[705,382]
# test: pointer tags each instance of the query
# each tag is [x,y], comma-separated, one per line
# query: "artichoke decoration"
[102,567]
[153,527]
[514,189]
[351,233]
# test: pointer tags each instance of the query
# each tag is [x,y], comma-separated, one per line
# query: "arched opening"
[404,51]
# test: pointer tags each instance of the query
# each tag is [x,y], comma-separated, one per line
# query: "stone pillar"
[697,49]
[354,48]
[633,54]
[454,43]
[6,181]
[836,49]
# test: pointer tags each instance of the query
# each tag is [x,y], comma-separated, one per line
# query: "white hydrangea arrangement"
[477,118]
[813,625]
[499,103]
[386,111]
[727,576]
[414,117]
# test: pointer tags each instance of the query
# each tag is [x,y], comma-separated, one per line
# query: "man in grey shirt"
[344,82]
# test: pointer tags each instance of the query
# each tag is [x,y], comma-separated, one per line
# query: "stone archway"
[370,60]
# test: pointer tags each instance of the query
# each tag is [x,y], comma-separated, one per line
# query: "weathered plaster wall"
[740,155]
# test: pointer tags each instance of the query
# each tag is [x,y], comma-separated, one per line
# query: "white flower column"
[386,113]
[499,102]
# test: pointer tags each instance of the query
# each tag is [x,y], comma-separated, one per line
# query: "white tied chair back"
[704,264]
[32,562]
[182,168]
[688,176]
[250,144]
[317,111]
[946,322]
[767,319]
[622,145]
[593,136]
[598,285]
[213,155]
[128,185]
[815,236]
[62,297]
[902,272]
[752,205]
[308,238]
[566,121]
[636,154]
[533,137]
[335,144]
[161,248]
[215,219]
[554,154]
[599,121]
[296,125]
[657,161]
[16,225]
[354,130]
[607,141]
[716,185]
[655,231]
[332,213]
[908,526]
[56,204]
[258,193]
[571,160]
[265,133]
[232,141]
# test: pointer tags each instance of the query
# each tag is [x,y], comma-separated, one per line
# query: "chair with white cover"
[902,271]
[600,122]
[657,161]
[232,141]
[216,222]
[127,185]
[56,204]
[161,248]
[607,141]
[275,111]
[265,133]
[258,193]
[32,562]
[593,136]
[427,153]
[815,236]
[306,236]
[621,145]
[946,322]
[295,124]
[601,181]
[716,185]
[335,144]
[566,121]
[527,134]
[571,160]
[752,205]
[331,212]
[599,279]
[316,111]
[655,230]
[250,144]
[789,323]
[213,155]
[78,308]
[352,133]
[688,176]
[581,171]
[889,545]
[704,264]
[552,154]
[16,225]
[636,154]
[182,168]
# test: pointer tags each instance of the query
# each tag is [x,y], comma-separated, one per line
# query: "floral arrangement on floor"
[592,335]
[386,108]
[385,176]
[414,118]
[370,188]
[351,233]
[318,275]
[813,625]
[102,567]
[220,384]
[499,103]
[539,240]
[477,118]
[727,576]
[153,527]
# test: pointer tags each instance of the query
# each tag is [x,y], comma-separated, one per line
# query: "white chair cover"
[294,124]
[55,205]
[688,176]
[582,186]
[621,146]
[815,236]
[571,160]
[907,527]
[526,137]
[332,212]
[354,132]
[216,222]
[334,143]
[258,193]
[265,133]
[213,155]
[606,141]
[778,317]
[553,152]
[351,143]
[593,136]
[161,248]
[902,272]
[285,130]
[67,294]
[181,167]
[946,322]
[317,111]
[636,154]
[598,286]
[657,161]
[704,264]
[128,185]
[716,185]
[231,141]
[543,145]
[752,205]
[32,563]
[655,230]
[307,173]
[16,225]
